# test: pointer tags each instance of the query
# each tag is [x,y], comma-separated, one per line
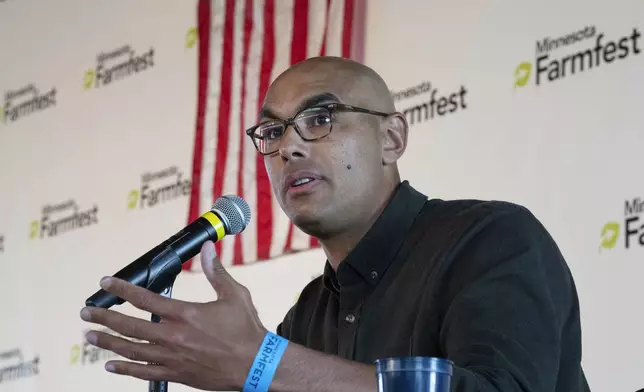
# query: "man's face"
[322,184]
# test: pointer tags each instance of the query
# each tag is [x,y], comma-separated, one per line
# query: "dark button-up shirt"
[480,283]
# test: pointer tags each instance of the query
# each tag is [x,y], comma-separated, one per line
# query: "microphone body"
[157,269]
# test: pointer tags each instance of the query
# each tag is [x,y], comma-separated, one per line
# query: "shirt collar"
[369,260]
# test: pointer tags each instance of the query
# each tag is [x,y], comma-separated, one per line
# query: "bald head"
[335,165]
[351,82]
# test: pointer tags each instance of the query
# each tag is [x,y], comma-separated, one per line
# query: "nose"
[292,146]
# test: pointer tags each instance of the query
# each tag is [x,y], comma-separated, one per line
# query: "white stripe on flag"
[249,235]
[316,23]
[234,138]
[211,115]
[283,34]
[335,28]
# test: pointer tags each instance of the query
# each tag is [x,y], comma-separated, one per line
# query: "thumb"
[219,278]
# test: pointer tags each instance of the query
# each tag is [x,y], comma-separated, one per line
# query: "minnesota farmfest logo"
[565,55]
[630,230]
[15,366]
[430,102]
[159,187]
[84,354]
[25,102]
[117,65]
[61,218]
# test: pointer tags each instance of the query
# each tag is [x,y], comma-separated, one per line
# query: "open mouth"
[302,181]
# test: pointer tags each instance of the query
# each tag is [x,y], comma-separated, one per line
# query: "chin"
[304,218]
[307,220]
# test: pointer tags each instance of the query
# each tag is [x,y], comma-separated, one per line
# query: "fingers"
[216,273]
[142,371]
[135,351]
[125,325]
[139,297]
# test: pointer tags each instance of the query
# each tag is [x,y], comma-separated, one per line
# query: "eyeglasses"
[311,124]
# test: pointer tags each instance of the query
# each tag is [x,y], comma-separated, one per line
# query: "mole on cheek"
[348,167]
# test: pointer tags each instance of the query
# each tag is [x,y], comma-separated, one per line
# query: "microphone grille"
[235,210]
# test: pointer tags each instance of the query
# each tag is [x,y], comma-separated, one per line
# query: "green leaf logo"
[132,199]
[33,232]
[610,234]
[191,37]
[75,354]
[88,79]
[522,74]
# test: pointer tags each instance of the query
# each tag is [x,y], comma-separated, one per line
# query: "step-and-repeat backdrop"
[538,104]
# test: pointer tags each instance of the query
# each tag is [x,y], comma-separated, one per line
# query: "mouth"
[301,182]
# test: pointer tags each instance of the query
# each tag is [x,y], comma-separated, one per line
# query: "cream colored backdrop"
[563,135]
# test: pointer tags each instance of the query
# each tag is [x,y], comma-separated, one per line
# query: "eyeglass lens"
[312,124]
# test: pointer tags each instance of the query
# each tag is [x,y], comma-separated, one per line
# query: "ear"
[395,131]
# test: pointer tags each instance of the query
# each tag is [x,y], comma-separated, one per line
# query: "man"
[479,283]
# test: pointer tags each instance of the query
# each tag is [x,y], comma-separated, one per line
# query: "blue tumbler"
[414,374]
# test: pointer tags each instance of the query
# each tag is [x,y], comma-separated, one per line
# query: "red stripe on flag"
[248,29]
[264,196]
[298,53]
[289,238]
[347,31]
[357,43]
[300,30]
[223,126]
[313,242]
[203,29]
[326,28]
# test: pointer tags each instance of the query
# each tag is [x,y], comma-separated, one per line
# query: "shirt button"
[350,318]
[374,274]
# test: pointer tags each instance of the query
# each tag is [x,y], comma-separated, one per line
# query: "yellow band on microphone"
[216,223]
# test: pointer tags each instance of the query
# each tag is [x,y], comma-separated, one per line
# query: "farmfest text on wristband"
[265,364]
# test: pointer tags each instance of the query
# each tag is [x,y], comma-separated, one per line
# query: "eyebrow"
[311,101]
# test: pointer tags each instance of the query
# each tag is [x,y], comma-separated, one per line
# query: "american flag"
[243,46]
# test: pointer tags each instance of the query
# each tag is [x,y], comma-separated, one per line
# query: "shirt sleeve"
[284,328]
[512,319]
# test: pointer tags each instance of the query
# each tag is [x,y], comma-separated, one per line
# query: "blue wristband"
[263,369]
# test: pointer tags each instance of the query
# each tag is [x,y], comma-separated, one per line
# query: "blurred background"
[122,121]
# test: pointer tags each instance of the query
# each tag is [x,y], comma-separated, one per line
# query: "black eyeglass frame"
[331,107]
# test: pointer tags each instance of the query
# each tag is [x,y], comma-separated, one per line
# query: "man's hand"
[207,346]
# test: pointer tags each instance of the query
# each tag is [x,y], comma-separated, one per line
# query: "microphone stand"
[161,386]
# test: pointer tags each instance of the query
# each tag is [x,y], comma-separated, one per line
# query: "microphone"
[157,269]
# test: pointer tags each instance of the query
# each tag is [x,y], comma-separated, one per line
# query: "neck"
[338,246]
